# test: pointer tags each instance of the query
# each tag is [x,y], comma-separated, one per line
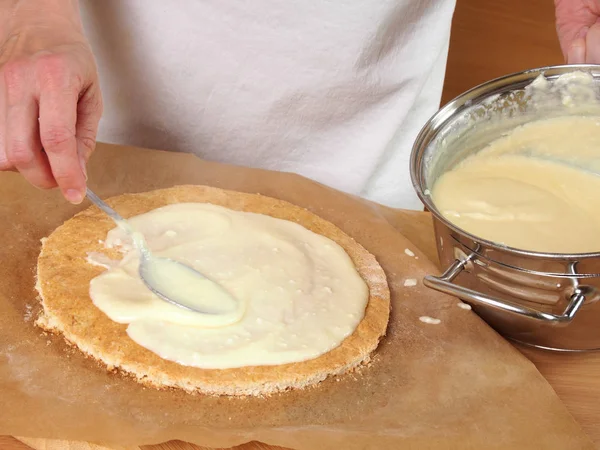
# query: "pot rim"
[460,103]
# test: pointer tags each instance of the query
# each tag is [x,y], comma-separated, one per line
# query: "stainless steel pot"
[546,300]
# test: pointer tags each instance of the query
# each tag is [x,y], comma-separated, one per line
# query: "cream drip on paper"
[430,320]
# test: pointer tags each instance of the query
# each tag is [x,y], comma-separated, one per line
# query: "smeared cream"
[301,291]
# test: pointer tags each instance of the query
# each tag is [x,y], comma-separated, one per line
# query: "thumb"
[573,18]
[4,162]
[89,111]
[592,46]
[577,52]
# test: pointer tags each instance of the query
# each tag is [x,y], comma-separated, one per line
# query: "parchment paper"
[453,385]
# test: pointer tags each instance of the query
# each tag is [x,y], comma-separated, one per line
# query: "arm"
[578,27]
[47,71]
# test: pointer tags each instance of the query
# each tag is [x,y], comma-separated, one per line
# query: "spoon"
[172,281]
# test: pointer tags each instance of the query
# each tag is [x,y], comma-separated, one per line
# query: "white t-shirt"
[335,90]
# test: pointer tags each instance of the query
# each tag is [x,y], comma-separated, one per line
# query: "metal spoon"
[172,281]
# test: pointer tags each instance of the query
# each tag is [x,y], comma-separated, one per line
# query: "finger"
[23,147]
[4,162]
[89,111]
[58,118]
[571,18]
[592,55]
[576,53]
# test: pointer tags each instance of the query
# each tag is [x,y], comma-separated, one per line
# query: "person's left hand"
[578,27]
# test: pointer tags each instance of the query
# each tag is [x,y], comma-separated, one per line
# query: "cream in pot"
[536,188]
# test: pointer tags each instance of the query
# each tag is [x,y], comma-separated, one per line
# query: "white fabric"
[335,90]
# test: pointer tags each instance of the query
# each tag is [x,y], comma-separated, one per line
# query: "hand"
[50,101]
[578,26]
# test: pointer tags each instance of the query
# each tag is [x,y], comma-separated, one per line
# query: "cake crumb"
[409,252]
[410,282]
[463,305]
[431,320]
[28,313]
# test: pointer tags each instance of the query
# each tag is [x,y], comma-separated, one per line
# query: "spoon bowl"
[171,281]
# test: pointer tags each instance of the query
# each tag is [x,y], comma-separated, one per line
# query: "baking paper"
[454,385]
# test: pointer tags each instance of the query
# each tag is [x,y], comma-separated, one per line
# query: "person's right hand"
[50,101]
[578,28]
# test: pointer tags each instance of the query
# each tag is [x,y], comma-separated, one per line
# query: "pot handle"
[444,284]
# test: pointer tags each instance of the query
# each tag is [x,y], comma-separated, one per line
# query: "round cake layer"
[64,277]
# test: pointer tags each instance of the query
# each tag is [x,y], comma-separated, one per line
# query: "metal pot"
[546,300]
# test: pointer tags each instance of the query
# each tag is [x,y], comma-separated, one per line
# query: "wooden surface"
[489,38]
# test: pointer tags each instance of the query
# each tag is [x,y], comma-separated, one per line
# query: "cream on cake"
[299,294]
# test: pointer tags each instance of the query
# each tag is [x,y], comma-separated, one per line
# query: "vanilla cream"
[537,188]
[299,292]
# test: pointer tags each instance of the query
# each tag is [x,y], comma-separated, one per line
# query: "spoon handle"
[104,207]
[138,239]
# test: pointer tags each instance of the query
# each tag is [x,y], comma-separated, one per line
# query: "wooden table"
[574,377]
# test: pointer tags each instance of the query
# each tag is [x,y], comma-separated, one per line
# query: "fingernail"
[74,196]
[83,163]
